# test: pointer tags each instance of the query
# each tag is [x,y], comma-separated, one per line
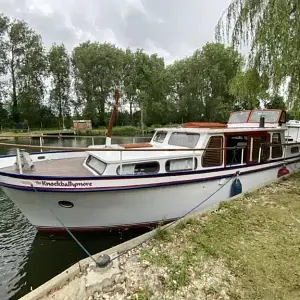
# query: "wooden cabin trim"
[136,145]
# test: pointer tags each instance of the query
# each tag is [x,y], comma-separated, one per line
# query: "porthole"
[66,204]
[41,157]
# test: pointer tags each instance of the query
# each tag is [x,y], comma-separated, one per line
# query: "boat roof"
[133,156]
[220,130]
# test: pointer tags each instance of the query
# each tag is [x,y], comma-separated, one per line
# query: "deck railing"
[103,149]
[92,137]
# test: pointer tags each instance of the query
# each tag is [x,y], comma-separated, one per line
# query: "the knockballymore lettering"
[66,183]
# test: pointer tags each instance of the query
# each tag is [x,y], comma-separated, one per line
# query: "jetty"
[242,249]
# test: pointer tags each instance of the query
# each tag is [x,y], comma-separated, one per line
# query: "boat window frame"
[186,133]
[182,170]
[207,150]
[92,168]
[236,152]
[279,145]
[260,134]
[159,132]
[137,163]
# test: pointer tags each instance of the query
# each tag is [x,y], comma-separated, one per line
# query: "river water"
[28,258]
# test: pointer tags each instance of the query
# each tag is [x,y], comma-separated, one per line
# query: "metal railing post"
[259,154]
[284,151]
[193,165]
[19,160]
[93,141]
[242,156]
[251,149]
[41,143]
[121,165]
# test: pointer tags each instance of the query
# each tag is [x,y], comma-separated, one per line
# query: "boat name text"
[65,183]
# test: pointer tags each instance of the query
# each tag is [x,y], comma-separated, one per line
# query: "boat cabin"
[249,137]
[246,137]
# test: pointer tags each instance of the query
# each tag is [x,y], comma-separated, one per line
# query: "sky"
[172,28]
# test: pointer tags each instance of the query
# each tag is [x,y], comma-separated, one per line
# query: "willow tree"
[271,28]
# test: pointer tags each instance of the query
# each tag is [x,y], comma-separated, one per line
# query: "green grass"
[248,249]
[142,294]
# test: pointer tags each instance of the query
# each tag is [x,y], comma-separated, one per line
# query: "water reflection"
[27,258]
[16,237]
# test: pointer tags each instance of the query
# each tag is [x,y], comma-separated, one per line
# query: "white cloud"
[40,6]
[172,28]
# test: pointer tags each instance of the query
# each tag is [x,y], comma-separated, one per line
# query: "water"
[28,258]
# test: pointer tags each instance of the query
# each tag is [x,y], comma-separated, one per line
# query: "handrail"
[8,145]
[68,136]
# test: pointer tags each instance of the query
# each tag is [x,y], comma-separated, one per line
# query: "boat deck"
[58,167]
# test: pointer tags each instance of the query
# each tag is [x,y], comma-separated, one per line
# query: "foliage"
[276,102]
[206,86]
[248,87]
[96,70]
[59,69]
[272,30]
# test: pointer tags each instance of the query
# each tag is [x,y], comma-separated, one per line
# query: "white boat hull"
[104,210]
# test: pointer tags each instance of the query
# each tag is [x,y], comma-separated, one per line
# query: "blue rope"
[168,225]
[67,229]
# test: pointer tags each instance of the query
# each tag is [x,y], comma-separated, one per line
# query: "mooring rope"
[178,219]
[145,240]
[67,229]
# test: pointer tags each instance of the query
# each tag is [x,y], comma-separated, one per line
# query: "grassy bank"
[248,249]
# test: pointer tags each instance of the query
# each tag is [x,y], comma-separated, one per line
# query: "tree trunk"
[15,112]
[130,112]
[142,116]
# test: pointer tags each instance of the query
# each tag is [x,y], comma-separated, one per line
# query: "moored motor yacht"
[126,185]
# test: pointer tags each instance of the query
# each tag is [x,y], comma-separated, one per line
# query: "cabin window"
[276,150]
[182,164]
[294,150]
[213,157]
[96,164]
[239,154]
[160,136]
[184,139]
[139,168]
[256,143]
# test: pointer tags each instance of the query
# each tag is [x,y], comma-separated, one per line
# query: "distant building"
[82,124]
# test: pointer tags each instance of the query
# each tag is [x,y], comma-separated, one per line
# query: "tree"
[4,23]
[59,68]
[276,102]
[249,88]
[200,83]
[22,57]
[3,116]
[272,30]
[97,69]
